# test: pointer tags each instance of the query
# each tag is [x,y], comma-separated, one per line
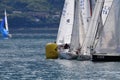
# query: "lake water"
[23,58]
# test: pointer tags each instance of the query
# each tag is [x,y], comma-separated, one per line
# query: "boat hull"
[67,55]
[84,57]
[105,57]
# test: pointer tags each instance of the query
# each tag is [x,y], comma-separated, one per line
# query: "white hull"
[70,56]
[67,55]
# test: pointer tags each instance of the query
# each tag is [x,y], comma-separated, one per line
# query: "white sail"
[110,39]
[86,13]
[66,23]
[6,23]
[90,36]
[106,9]
[80,23]
[117,24]
[78,30]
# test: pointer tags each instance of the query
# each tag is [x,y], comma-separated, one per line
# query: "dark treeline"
[32,13]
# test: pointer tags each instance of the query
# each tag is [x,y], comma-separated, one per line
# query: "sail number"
[82,4]
[105,10]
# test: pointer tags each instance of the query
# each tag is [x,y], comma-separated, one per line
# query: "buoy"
[51,51]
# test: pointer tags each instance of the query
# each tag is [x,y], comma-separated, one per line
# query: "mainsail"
[66,23]
[78,30]
[109,41]
[106,8]
[92,29]
[86,12]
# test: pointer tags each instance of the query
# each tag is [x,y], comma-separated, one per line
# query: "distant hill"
[32,13]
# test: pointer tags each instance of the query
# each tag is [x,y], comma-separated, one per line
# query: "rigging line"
[90,2]
[94,36]
[103,25]
[97,30]
[83,23]
[87,31]
[75,2]
[84,32]
[84,43]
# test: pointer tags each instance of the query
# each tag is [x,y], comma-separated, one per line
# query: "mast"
[103,18]
[110,34]
[90,36]
[74,44]
[90,2]
[92,6]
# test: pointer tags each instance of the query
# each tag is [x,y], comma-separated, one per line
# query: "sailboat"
[74,21]
[109,45]
[66,23]
[4,27]
[64,31]
[103,42]
[78,29]
[90,35]
[91,32]
[66,26]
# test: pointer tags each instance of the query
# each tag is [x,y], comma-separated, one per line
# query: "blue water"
[23,58]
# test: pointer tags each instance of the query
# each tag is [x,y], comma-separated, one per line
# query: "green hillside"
[32,13]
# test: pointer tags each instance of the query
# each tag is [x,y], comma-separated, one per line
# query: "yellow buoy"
[51,51]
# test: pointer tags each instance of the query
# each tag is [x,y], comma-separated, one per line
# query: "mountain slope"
[31,13]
